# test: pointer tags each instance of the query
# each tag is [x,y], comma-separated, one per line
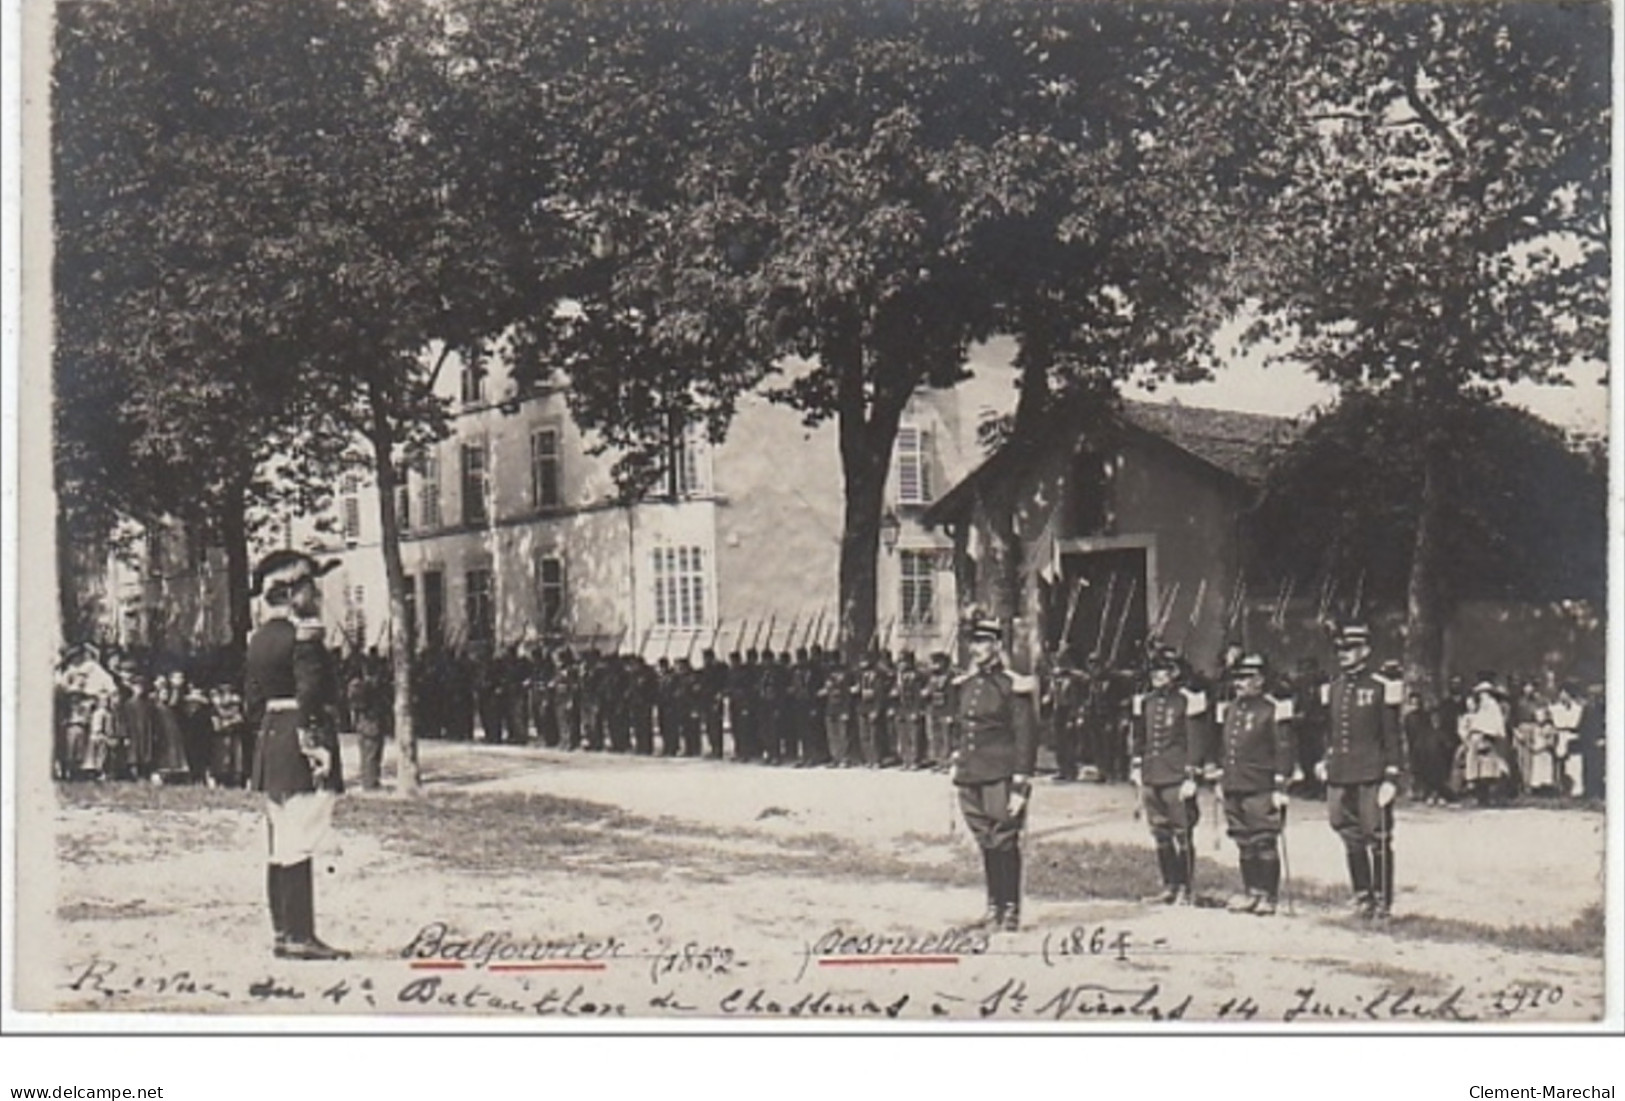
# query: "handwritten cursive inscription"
[437,942]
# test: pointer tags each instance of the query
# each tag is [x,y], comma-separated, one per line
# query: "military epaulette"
[1021,683]
[1195,702]
[309,630]
[1393,690]
[963,677]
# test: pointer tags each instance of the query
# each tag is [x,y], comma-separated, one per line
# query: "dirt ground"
[538,886]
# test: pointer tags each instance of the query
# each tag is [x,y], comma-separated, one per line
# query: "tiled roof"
[1240,444]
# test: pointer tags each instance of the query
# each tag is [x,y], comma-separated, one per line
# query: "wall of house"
[1193,516]
[767,520]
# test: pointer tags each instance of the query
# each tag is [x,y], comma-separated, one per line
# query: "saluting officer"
[1361,770]
[290,691]
[1169,736]
[1255,761]
[993,767]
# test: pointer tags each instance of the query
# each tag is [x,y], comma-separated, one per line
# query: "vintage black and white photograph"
[850,514]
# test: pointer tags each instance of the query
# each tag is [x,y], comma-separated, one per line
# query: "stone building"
[514,532]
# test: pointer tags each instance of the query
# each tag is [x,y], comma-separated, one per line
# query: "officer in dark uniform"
[641,698]
[592,700]
[713,688]
[909,723]
[1361,770]
[773,684]
[739,705]
[1255,762]
[939,711]
[871,701]
[993,766]
[666,705]
[1063,698]
[567,699]
[836,693]
[814,745]
[290,691]
[1168,750]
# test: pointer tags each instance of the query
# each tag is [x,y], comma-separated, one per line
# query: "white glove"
[1279,800]
[1187,790]
[1134,775]
[1386,792]
[1320,771]
[1019,791]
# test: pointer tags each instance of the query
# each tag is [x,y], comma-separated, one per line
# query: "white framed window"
[691,454]
[913,465]
[350,509]
[473,384]
[918,596]
[403,506]
[355,616]
[429,493]
[679,586]
[550,592]
[546,487]
[476,484]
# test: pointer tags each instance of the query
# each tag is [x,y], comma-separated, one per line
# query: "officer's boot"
[1185,869]
[1012,890]
[1383,907]
[1269,880]
[303,943]
[992,869]
[1359,861]
[1247,901]
[1168,865]
[277,894]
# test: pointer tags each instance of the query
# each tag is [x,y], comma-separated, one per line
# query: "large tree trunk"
[1034,360]
[71,623]
[1424,605]
[234,537]
[867,426]
[408,778]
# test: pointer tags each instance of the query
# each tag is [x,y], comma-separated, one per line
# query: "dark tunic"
[281,666]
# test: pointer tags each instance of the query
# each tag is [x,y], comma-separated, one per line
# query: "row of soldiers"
[803,708]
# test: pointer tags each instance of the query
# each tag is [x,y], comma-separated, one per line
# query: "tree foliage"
[1524,513]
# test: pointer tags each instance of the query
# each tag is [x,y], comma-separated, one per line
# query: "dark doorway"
[1108,614]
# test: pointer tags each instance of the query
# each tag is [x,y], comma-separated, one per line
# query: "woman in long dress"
[1483,735]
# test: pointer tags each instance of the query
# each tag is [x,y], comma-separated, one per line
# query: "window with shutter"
[429,494]
[913,466]
[545,487]
[550,592]
[475,484]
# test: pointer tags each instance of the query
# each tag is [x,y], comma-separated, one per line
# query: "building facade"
[514,533]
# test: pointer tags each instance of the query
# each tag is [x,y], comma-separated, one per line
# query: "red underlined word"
[882,961]
[429,965]
[546,967]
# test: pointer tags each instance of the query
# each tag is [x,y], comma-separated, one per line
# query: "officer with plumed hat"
[290,691]
[993,765]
